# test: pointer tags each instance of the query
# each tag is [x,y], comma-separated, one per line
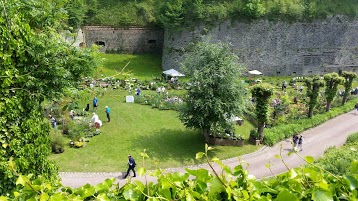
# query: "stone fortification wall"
[124,40]
[276,48]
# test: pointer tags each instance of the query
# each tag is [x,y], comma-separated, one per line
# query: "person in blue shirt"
[95,103]
[131,166]
[108,110]
[137,92]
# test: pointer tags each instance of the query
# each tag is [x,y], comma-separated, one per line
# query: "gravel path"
[331,133]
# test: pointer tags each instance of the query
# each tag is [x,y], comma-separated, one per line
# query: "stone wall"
[124,40]
[276,48]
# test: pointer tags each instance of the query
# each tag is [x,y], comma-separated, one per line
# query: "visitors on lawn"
[95,103]
[131,166]
[72,114]
[108,110]
[163,90]
[159,90]
[137,91]
[300,142]
[301,88]
[53,121]
[284,86]
[95,120]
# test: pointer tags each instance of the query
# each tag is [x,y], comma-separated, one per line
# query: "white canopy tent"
[173,73]
[255,72]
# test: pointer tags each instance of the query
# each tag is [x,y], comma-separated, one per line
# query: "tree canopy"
[313,86]
[332,81]
[36,64]
[216,93]
[262,94]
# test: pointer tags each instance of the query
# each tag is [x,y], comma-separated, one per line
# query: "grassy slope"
[135,127]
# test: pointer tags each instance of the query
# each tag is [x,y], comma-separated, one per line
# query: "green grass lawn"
[143,67]
[136,127]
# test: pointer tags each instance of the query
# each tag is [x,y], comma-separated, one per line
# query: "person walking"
[356,107]
[300,142]
[53,121]
[108,110]
[131,166]
[295,140]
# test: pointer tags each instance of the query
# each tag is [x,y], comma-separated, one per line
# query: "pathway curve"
[331,133]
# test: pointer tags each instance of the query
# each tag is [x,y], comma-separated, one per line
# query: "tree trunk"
[328,106]
[206,134]
[344,99]
[260,130]
[310,112]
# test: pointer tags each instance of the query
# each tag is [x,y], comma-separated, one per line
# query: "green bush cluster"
[336,160]
[174,13]
[352,138]
[283,131]
[57,141]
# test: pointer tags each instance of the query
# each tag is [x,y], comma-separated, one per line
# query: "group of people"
[95,119]
[297,142]
[284,86]
[162,90]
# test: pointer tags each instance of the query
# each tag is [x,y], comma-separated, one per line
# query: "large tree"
[313,86]
[332,81]
[348,82]
[216,93]
[36,64]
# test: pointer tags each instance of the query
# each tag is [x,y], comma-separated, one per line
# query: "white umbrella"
[255,72]
[173,73]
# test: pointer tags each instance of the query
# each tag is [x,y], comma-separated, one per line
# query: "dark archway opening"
[100,43]
[152,41]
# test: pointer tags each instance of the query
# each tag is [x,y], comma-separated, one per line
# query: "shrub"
[57,141]
[336,160]
[352,138]
[78,129]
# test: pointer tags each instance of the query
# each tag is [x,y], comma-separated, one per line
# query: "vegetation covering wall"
[172,13]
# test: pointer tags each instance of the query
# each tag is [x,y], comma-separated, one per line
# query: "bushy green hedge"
[336,160]
[303,183]
[280,132]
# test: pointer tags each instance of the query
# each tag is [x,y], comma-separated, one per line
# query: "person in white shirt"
[95,120]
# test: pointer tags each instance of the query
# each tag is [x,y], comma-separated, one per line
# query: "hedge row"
[280,132]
